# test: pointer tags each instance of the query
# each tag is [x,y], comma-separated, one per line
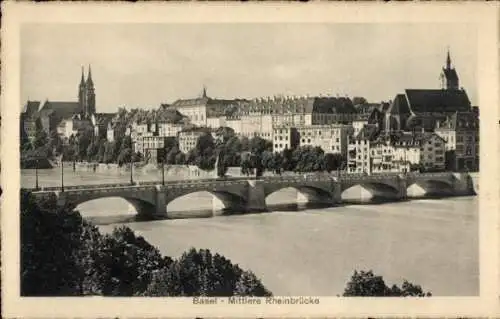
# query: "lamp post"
[36,174]
[131,159]
[163,172]
[62,175]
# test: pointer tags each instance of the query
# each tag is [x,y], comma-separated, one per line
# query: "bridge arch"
[233,200]
[312,194]
[430,187]
[371,190]
[142,199]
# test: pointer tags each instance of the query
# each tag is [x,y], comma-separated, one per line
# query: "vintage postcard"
[257,160]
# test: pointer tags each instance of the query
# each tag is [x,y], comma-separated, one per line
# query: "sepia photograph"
[248,163]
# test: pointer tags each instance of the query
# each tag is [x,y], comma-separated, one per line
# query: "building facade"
[188,139]
[285,137]
[332,138]
[460,132]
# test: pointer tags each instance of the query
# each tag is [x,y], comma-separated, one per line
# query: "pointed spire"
[89,78]
[448,59]
[82,80]
[204,94]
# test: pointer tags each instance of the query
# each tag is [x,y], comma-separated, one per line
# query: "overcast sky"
[143,65]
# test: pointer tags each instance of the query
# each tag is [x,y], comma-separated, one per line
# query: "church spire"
[82,80]
[89,78]
[448,60]
[204,94]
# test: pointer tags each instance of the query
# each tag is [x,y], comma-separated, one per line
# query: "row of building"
[429,129]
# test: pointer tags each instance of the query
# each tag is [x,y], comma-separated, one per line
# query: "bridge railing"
[227,181]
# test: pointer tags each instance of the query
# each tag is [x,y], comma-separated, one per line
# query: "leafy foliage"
[199,273]
[366,284]
[63,255]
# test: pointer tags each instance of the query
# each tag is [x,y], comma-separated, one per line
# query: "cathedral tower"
[449,76]
[82,94]
[86,95]
[90,95]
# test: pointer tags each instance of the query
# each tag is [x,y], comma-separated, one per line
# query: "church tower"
[86,95]
[82,94]
[449,76]
[90,107]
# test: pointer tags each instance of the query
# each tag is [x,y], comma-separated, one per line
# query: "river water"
[431,242]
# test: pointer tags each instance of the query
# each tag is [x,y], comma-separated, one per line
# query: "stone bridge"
[248,195]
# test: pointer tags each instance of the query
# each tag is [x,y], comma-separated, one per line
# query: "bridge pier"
[161,202]
[402,188]
[463,185]
[256,197]
[336,191]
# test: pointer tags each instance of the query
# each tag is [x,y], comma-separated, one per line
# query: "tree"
[172,155]
[24,143]
[101,151]
[268,161]
[204,152]
[92,150]
[221,165]
[41,138]
[50,236]
[258,145]
[200,273]
[63,255]
[225,133]
[249,285]
[109,153]
[170,143]
[83,140]
[332,161]
[125,263]
[246,163]
[245,144]
[366,284]
[180,158]
[124,156]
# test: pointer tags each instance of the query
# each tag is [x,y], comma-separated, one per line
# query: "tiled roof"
[190,102]
[399,105]
[60,109]
[438,101]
